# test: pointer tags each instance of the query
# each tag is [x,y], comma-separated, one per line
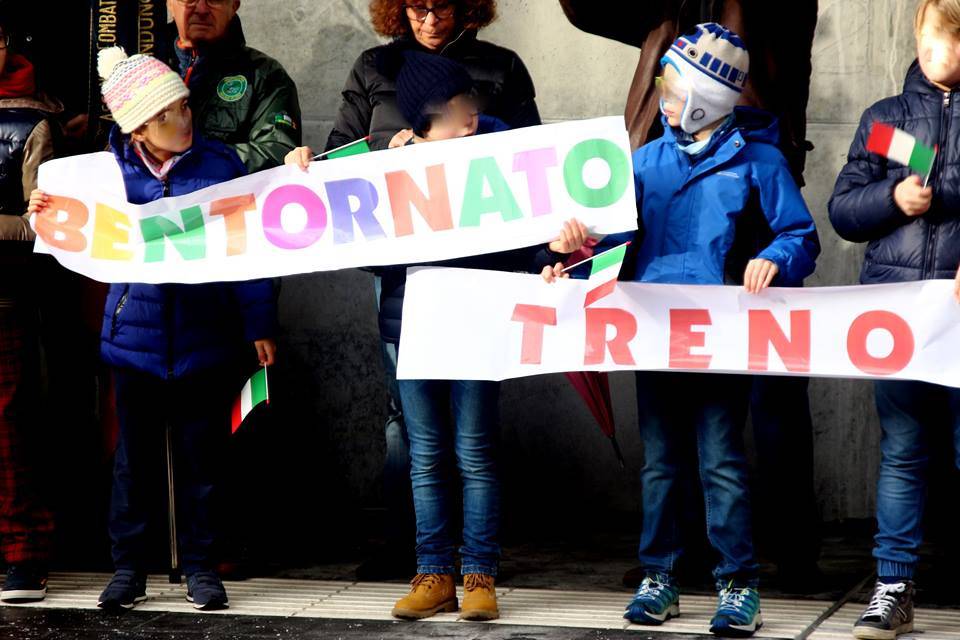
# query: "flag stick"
[573,266]
[174,575]
[266,383]
[930,173]
[343,146]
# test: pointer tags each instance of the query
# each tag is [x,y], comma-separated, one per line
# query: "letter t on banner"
[534,318]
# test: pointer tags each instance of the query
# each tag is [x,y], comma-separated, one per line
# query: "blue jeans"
[908,411]
[714,407]
[435,442]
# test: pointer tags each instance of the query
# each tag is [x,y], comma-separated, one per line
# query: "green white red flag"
[254,392]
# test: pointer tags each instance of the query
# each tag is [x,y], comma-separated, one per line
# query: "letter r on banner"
[534,318]
[598,320]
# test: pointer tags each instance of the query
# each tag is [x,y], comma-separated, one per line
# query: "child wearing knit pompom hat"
[181,344]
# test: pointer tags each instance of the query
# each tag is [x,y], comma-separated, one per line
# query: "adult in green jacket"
[238,94]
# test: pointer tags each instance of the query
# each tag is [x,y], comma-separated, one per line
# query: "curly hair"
[389,17]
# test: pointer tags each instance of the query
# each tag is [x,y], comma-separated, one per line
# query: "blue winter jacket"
[862,209]
[691,207]
[173,330]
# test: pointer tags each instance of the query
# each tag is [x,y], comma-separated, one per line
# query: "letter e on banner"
[683,338]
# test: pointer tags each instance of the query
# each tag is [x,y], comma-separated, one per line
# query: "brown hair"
[389,17]
[949,9]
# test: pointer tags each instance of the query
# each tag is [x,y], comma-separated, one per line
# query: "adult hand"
[912,197]
[759,274]
[572,237]
[266,351]
[400,138]
[550,274]
[301,156]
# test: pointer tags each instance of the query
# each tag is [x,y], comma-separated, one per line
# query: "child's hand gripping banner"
[462,324]
[419,203]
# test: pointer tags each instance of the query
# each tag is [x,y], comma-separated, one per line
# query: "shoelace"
[883,601]
[428,580]
[732,598]
[476,581]
[650,587]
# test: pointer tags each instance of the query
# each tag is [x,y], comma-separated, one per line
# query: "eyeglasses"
[669,92]
[440,11]
[216,4]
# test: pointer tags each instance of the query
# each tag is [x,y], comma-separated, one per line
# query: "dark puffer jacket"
[862,208]
[173,330]
[369,105]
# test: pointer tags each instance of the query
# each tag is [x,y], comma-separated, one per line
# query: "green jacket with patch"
[241,97]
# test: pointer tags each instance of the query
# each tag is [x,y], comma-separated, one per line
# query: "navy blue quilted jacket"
[173,330]
[862,209]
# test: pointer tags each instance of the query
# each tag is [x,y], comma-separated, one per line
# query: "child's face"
[457,119]
[673,94]
[171,130]
[938,50]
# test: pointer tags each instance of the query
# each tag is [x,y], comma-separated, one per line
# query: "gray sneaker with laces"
[889,613]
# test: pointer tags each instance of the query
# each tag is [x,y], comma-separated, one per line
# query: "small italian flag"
[253,393]
[604,269]
[900,146]
[350,149]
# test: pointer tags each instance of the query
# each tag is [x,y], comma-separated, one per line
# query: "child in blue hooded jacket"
[693,185]
[176,350]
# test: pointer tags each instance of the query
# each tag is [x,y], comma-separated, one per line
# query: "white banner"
[464,324]
[418,203]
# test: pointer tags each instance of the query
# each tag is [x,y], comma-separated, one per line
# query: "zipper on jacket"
[930,257]
[116,313]
[166,186]
[168,312]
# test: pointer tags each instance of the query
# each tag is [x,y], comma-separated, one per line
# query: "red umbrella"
[594,386]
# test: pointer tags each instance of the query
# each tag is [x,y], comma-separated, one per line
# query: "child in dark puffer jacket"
[176,350]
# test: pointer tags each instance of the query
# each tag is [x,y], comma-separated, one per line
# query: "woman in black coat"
[501,81]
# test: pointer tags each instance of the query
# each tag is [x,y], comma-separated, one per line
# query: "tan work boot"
[430,593]
[479,598]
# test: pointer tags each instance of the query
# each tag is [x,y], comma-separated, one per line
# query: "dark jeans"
[197,410]
[910,413]
[714,407]
[471,438]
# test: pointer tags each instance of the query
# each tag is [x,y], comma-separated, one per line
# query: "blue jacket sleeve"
[258,306]
[862,206]
[796,244]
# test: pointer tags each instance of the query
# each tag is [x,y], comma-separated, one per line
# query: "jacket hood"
[916,82]
[755,125]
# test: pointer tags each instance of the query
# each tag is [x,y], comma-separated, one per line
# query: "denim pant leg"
[425,404]
[720,414]
[137,469]
[904,408]
[475,406]
[661,417]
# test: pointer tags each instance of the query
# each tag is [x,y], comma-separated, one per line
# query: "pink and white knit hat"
[137,88]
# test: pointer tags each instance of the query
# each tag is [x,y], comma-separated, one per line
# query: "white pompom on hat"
[138,87]
[714,62]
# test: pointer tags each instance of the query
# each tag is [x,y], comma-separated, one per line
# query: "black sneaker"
[206,592]
[127,588]
[24,583]
[889,613]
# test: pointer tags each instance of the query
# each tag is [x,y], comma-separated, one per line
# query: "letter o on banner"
[273,214]
[616,161]
[903,343]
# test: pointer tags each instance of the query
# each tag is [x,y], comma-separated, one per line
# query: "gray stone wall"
[861,52]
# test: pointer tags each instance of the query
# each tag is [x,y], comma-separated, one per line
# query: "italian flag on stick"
[900,146]
[253,393]
[604,269]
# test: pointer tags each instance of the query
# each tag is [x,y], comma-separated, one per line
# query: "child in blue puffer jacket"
[177,351]
[693,186]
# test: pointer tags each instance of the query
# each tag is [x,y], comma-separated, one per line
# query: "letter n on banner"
[764,331]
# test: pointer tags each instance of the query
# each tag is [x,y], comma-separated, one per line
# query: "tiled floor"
[332,600]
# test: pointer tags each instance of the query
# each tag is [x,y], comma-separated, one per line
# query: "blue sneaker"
[738,612]
[24,583]
[127,588]
[205,590]
[656,601]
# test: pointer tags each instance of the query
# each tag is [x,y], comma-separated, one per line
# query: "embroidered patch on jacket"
[232,88]
[284,118]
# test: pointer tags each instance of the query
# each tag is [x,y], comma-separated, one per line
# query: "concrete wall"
[861,51]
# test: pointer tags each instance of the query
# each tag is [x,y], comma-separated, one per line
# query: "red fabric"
[26,527]
[17,79]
